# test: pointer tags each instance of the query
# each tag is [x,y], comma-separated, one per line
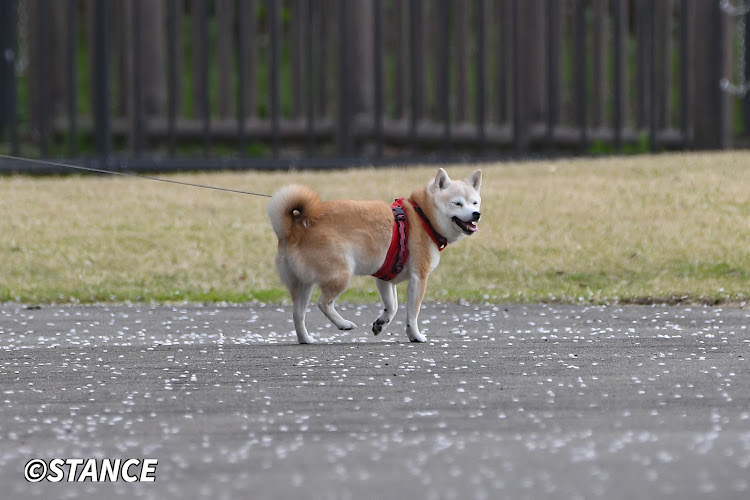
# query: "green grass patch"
[666,228]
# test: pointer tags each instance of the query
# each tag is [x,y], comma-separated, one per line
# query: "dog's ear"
[441,180]
[475,179]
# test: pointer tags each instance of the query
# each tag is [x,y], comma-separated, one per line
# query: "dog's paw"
[416,336]
[377,327]
[347,325]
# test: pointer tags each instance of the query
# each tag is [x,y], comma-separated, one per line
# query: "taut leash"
[130,174]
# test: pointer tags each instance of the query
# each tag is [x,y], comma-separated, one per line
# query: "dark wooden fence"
[248,83]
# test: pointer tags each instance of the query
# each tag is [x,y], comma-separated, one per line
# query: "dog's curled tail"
[290,205]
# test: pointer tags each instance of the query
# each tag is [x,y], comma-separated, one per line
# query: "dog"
[326,243]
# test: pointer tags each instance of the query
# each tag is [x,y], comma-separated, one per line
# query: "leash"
[130,174]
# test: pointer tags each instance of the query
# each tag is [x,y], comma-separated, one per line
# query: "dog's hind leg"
[301,293]
[330,290]
[388,295]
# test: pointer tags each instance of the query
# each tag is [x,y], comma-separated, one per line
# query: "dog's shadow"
[368,344]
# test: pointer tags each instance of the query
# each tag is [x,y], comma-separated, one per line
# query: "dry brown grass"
[667,227]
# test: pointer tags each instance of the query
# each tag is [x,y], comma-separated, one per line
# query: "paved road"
[502,402]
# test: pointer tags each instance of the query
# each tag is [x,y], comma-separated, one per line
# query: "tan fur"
[326,243]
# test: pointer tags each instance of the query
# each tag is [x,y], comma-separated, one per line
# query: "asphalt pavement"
[503,401]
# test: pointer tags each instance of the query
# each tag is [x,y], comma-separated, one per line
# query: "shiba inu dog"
[326,243]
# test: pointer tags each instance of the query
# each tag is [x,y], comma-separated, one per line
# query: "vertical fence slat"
[711,120]
[481,77]
[721,59]
[101,82]
[746,98]
[687,56]
[172,80]
[378,73]
[12,86]
[248,25]
[415,59]
[122,54]
[401,56]
[296,17]
[643,62]
[196,9]
[360,66]
[598,91]
[344,89]
[274,28]
[9,111]
[518,141]
[43,68]
[553,70]
[431,39]
[6,47]
[154,60]
[241,77]
[200,60]
[179,87]
[57,65]
[310,80]
[462,60]
[443,78]
[651,72]
[136,103]
[579,72]
[71,72]
[528,67]
[205,64]
[224,46]
[663,50]
[619,25]
[505,46]
[440,46]
[326,61]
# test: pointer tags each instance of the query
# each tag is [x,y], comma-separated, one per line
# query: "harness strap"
[398,253]
[438,238]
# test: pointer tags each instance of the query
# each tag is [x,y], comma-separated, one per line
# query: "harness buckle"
[398,214]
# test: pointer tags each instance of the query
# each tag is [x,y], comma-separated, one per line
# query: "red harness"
[398,252]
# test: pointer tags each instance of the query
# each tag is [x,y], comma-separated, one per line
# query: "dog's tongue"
[469,226]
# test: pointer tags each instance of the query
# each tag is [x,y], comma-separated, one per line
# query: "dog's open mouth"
[466,227]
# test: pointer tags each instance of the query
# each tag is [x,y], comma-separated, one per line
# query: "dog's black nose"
[476,216]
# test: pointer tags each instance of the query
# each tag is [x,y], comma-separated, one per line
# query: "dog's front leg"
[388,295]
[415,294]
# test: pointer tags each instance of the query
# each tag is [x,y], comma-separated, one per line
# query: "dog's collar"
[438,238]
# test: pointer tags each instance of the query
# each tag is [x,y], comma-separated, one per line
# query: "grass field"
[666,228]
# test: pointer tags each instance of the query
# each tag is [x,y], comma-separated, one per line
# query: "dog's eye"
[458,203]
[475,203]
